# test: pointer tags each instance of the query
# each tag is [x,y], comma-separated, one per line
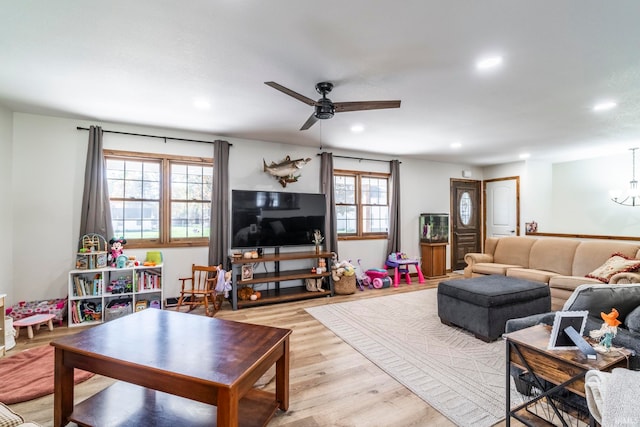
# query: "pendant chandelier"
[630,197]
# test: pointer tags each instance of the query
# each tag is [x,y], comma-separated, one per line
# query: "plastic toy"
[400,263]
[361,277]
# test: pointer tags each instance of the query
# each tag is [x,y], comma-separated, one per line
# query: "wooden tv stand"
[280,294]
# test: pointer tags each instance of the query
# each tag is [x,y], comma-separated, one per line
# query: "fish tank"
[434,228]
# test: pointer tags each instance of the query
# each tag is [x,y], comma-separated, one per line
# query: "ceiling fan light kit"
[325,109]
[630,197]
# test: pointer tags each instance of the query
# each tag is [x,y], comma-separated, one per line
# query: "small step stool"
[36,320]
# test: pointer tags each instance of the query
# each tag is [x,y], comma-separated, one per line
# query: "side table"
[565,369]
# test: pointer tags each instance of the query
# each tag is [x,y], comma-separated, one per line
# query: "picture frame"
[559,340]
[246,272]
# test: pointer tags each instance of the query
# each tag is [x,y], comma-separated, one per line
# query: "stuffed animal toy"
[314,285]
[117,247]
[224,282]
[343,268]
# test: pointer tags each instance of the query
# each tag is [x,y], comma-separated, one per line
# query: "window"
[362,204]
[146,212]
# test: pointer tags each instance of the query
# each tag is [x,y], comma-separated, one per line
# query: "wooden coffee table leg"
[63,391]
[227,407]
[282,377]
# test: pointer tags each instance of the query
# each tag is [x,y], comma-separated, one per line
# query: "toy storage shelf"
[92,291]
[280,294]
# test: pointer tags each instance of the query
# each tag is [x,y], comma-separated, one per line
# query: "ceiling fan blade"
[310,122]
[364,105]
[289,92]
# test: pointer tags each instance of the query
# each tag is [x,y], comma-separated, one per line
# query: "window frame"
[166,160]
[360,234]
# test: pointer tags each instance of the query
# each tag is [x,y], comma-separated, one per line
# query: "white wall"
[48,168]
[42,165]
[425,188]
[6,202]
[573,197]
[581,202]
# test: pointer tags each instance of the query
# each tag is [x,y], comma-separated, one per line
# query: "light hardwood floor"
[331,384]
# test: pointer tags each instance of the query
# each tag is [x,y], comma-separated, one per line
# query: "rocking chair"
[199,289]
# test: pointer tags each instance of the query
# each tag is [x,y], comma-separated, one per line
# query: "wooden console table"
[175,369]
[527,350]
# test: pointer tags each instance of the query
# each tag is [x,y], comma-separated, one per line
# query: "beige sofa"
[561,263]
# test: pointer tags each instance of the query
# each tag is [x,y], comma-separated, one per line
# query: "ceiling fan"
[325,108]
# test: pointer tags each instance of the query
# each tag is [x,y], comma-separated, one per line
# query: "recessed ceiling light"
[201,103]
[525,155]
[456,145]
[489,62]
[604,106]
[357,128]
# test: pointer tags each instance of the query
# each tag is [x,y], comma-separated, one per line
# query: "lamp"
[631,197]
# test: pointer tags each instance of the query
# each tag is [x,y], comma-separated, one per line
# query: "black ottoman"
[483,305]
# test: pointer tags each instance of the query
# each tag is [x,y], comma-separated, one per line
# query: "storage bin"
[116,309]
[345,286]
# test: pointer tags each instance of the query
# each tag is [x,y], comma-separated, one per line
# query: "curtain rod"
[151,136]
[358,158]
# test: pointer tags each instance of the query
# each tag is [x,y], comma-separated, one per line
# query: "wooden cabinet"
[3,331]
[434,259]
[277,293]
[103,294]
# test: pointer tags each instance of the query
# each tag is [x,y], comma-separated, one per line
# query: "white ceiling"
[145,62]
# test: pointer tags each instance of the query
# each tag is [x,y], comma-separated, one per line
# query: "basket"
[345,286]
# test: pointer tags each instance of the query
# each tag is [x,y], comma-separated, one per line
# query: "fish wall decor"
[285,170]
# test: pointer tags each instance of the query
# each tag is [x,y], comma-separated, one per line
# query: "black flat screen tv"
[262,219]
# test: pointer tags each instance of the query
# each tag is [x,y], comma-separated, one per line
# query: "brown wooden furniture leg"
[227,406]
[63,391]
[282,378]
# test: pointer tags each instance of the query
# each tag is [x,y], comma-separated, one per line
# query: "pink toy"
[400,263]
[377,273]
[362,277]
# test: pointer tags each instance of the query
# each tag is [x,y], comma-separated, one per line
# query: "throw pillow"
[618,263]
[632,321]
[8,418]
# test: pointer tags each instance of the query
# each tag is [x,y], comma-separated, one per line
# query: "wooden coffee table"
[175,369]
[527,350]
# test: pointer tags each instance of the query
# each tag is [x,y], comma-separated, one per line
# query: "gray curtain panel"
[393,244]
[95,216]
[219,238]
[326,187]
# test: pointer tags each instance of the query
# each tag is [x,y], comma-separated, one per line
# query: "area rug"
[457,374]
[29,375]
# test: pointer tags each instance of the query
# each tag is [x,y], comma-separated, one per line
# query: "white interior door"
[502,207]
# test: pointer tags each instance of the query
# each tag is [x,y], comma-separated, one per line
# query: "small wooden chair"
[200,290]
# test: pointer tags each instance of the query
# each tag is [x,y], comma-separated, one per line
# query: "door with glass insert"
[465,221]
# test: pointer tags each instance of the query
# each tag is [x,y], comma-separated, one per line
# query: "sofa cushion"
[492,268]
[8,418]
[618,263]
[602,298]
[592,254]
[531,274]
[632,321]
[571,283]
[513,250]
[555,255]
